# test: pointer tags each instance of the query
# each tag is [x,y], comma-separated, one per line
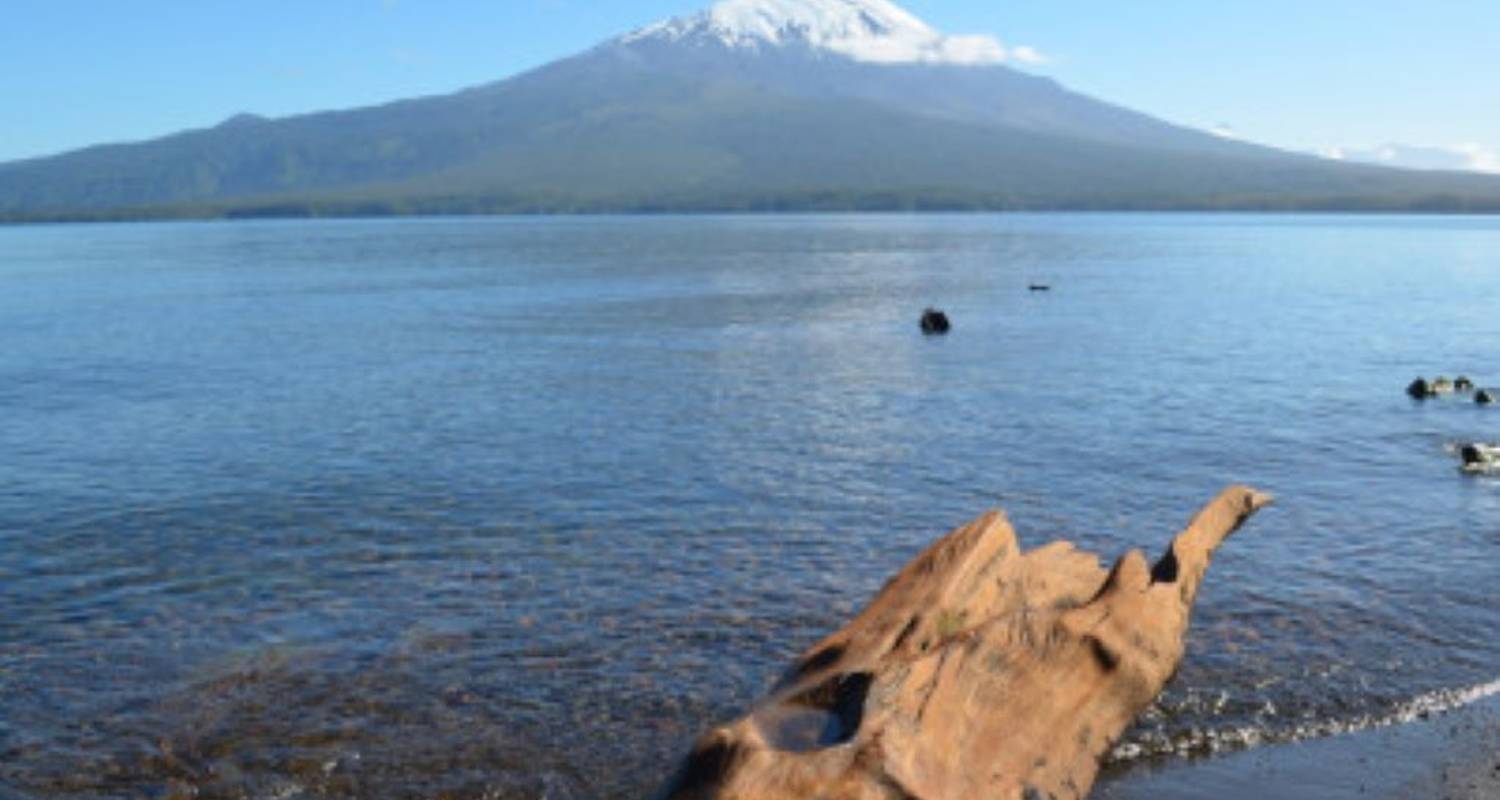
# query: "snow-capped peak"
[864,30]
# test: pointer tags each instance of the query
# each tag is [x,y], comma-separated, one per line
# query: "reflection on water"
[514,508]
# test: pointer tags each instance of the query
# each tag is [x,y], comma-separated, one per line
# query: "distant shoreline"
[109,217]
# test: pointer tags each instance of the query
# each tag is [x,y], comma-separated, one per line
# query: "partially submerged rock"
[978,671]
[1479,457]
[934,322]
[1486,397]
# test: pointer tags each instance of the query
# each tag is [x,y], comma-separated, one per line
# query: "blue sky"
[1303,75]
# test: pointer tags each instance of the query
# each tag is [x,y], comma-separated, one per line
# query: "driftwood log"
[978,671]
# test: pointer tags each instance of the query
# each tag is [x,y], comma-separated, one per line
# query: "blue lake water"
[516,507]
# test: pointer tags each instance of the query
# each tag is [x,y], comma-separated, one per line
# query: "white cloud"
[1026,54]
[1465,157]
[1481,158]
[1224,131]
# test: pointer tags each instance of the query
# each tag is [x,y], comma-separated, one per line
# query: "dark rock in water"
[934,321]
[1040,287]
[1480,457]
[978,671]
[1422,389]
[1485,397]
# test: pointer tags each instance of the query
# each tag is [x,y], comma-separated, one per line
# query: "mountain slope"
[753,104]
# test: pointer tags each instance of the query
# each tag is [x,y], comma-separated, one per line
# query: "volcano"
[750,105]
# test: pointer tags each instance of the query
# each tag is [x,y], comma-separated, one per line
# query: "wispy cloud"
[1026,54]
[1224,130]
[1481,158]
[1464,157]
[407,57]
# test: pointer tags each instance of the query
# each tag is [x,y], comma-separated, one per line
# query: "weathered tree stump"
[977,672]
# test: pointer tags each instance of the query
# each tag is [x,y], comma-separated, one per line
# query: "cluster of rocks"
[1476,456]
[1422,389]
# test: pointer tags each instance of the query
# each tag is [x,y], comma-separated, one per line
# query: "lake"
[517,507]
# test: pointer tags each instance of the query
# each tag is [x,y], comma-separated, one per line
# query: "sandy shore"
[1452,755]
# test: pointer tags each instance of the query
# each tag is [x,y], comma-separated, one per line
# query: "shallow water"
[515,507]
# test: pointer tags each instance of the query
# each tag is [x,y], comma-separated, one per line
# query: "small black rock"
[1040,287]
[1419,389]
[934,322]
[1484,397]
[1462,384]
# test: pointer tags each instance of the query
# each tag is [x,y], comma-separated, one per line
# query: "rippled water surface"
[514,508]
